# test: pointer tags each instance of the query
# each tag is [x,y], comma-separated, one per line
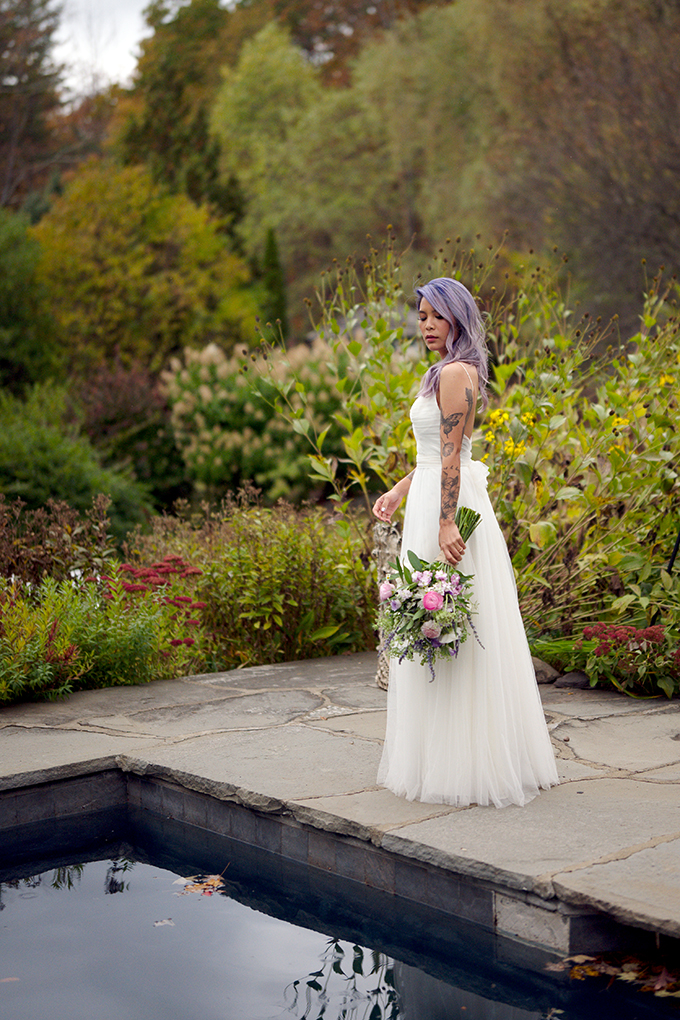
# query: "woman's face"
[434,328]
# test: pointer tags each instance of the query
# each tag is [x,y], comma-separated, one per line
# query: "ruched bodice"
[426,420]
[476,734]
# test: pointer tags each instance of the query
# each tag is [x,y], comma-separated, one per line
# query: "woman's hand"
[450,542]
[385,505]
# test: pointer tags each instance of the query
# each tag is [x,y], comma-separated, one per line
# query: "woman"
[476,734]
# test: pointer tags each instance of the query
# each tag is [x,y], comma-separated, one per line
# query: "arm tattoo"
[451,473]
[451,422]
[450,490]
[469,399]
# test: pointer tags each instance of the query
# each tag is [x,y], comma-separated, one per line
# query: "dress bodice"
[426,420]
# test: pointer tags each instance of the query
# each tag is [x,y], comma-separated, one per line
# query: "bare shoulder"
[458,375]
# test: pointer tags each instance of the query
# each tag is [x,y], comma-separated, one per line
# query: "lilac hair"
[455,302]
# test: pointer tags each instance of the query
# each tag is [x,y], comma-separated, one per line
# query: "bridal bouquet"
[425,612]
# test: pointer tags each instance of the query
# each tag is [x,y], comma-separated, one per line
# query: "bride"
[476,734]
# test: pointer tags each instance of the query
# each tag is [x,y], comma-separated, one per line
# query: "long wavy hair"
[456,304]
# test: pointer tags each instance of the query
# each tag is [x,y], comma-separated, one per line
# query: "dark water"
[83,939]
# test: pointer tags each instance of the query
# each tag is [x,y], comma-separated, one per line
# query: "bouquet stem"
[466,521]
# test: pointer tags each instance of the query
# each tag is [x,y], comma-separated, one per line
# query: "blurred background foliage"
[160,242]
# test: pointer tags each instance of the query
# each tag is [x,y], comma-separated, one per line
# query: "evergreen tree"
[274,307]
[28,94]
[167,124]
[27,335]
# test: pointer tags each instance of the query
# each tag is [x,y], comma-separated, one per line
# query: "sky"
[98,41]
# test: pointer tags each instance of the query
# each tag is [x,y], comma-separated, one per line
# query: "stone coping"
[300,742]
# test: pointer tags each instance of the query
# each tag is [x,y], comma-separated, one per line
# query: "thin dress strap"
[468,374]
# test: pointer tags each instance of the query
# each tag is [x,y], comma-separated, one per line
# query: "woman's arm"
[385,505]
[457,404]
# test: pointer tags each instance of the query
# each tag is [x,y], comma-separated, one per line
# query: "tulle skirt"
[476,734]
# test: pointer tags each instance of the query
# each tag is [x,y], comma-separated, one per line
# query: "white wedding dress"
[476,734]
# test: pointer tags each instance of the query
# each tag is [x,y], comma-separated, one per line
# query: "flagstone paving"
[304,739]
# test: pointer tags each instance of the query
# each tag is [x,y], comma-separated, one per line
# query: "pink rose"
[432,601]
[386,589]
[430,630]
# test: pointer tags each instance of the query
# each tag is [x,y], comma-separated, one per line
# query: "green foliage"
[582,451]
[43,458]
[27,339]
[224,420]
[273,308]
[57,638]
[583,457]
[638,661]
[134,270]
[278,584]
[166,113]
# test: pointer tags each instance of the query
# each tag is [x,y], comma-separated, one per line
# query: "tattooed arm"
[457,404]
[385,505]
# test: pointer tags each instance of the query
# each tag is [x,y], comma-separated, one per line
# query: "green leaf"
[415,561]
[557,421]
[623,602]
[300,425]
[543,533]
[354,348]
[568,492]
[324,632]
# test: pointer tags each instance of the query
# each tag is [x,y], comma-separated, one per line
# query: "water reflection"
[339,987]
[272,940]
[422,997]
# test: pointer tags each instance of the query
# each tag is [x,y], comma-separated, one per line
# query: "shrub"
[635,660]
[129,267]
[59,637]
[226,426]
[127,419]
[582,446]
[279,584]
[53,541]
[639,661]
[43,458]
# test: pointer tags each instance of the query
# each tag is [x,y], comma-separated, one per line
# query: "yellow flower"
[514,449]
[666,380]
[528,419]
[619,423]
[497,418]
[489,436]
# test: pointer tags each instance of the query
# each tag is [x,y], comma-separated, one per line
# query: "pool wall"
[117,800]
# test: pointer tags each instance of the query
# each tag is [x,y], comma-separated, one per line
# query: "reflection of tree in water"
[335,989]
[113,883]
[68,877]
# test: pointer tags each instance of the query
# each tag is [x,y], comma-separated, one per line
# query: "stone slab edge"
[211,787]
[69,770]
[624,909]
[501,879]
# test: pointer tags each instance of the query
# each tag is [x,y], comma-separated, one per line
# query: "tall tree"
[165,115]
[332,32]
[28,94]
[274,305]
[28,349]
[132,269]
